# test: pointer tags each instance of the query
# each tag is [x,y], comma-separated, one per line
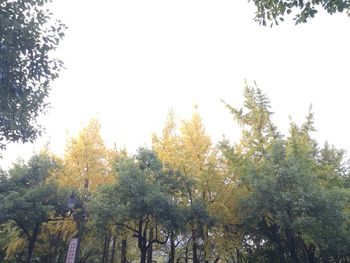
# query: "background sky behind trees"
[129,62]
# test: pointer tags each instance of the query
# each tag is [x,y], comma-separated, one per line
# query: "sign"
[72,250]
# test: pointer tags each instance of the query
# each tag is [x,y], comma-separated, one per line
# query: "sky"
[129,62]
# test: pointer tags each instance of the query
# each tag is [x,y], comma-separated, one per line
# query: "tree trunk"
[292,247]
[281,253]
[143,251]
[30,251]
[113,249]
[123,251]
[105,248]
[186,254]
[279,244]
[172,247]
[51,241]
[31,244]
[56,245]
[194,247]
[311,254]
[108,243]
[206,243]
[150,246]
[238,256]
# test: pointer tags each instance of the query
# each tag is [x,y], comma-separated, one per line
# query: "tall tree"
[254,118]
[87,161]
[288,215]
[87,165]
[188,150]
[29,199]
[285,215]
[28,35]
[140,202]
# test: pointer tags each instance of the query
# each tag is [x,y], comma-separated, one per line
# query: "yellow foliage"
[15,246]
[55,230]
[16,243]
[188,149]
[269,218]
[87,161]
[167,146]
[66,228]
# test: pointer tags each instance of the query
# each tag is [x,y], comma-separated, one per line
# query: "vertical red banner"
[72,250]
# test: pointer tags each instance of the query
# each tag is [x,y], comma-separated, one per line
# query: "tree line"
[267,198]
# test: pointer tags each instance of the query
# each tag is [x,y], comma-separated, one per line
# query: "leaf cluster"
[28,35]
[302,10]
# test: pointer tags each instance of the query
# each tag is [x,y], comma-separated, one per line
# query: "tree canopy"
[29,199]
[28,36]
[265,198]
[87,161]
[302,10]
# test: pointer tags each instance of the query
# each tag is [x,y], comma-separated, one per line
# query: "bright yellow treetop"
[87,161]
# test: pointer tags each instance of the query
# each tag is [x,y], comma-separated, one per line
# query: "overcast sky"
[128,62]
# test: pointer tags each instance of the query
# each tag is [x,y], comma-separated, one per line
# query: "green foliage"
[333,170]
[302,10]
[140,202]
[296,206]
[28,35]
[255,120]
[267,198]
[29,198]
[143,190]
[288,203]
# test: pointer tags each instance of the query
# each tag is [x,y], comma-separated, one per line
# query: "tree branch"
[126,226]
[21,226]
[158,241]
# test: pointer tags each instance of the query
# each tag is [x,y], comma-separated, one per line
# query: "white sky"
[128,62]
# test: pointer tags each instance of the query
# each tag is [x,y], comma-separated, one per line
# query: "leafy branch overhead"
[276,11]
[28,36]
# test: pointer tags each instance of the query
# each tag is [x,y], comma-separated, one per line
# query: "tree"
[188,150]
[295,207]
[333,169]
[28,35]
[140,203]
[86,165]
[303,10]
[255,120]
[29,199]
[87,161]
[289,216]
[258,132]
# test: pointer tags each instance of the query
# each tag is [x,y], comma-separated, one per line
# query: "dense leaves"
[140,202]
[301,10]
[28,35]
[266,198]
[29,199]
[291,212]
[87,161]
